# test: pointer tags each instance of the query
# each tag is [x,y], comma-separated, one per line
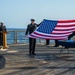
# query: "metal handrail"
[15,36]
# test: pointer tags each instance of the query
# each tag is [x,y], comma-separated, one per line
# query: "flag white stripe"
[45,37]
[65,23]
[63,31]
[64,27]
[50,35]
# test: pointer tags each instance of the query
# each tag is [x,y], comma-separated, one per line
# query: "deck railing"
[18,36]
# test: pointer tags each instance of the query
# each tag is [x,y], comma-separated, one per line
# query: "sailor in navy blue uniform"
[32,41]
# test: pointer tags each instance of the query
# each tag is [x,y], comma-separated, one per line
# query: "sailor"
[32,41]
[2,28]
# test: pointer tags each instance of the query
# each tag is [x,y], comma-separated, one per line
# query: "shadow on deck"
[48,61]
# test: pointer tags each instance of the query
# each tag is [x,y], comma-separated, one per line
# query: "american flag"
[51,29]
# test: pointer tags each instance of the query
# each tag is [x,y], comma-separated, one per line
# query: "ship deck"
[47,61]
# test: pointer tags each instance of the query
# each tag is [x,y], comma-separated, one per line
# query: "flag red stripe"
[66,21]
[61,33]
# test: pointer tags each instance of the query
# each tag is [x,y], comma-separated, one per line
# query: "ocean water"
[20,36]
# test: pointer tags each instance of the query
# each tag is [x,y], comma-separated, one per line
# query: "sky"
[17,13]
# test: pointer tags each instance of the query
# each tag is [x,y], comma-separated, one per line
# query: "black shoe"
[33,54]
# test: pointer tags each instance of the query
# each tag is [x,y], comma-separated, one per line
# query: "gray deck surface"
[48,61]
